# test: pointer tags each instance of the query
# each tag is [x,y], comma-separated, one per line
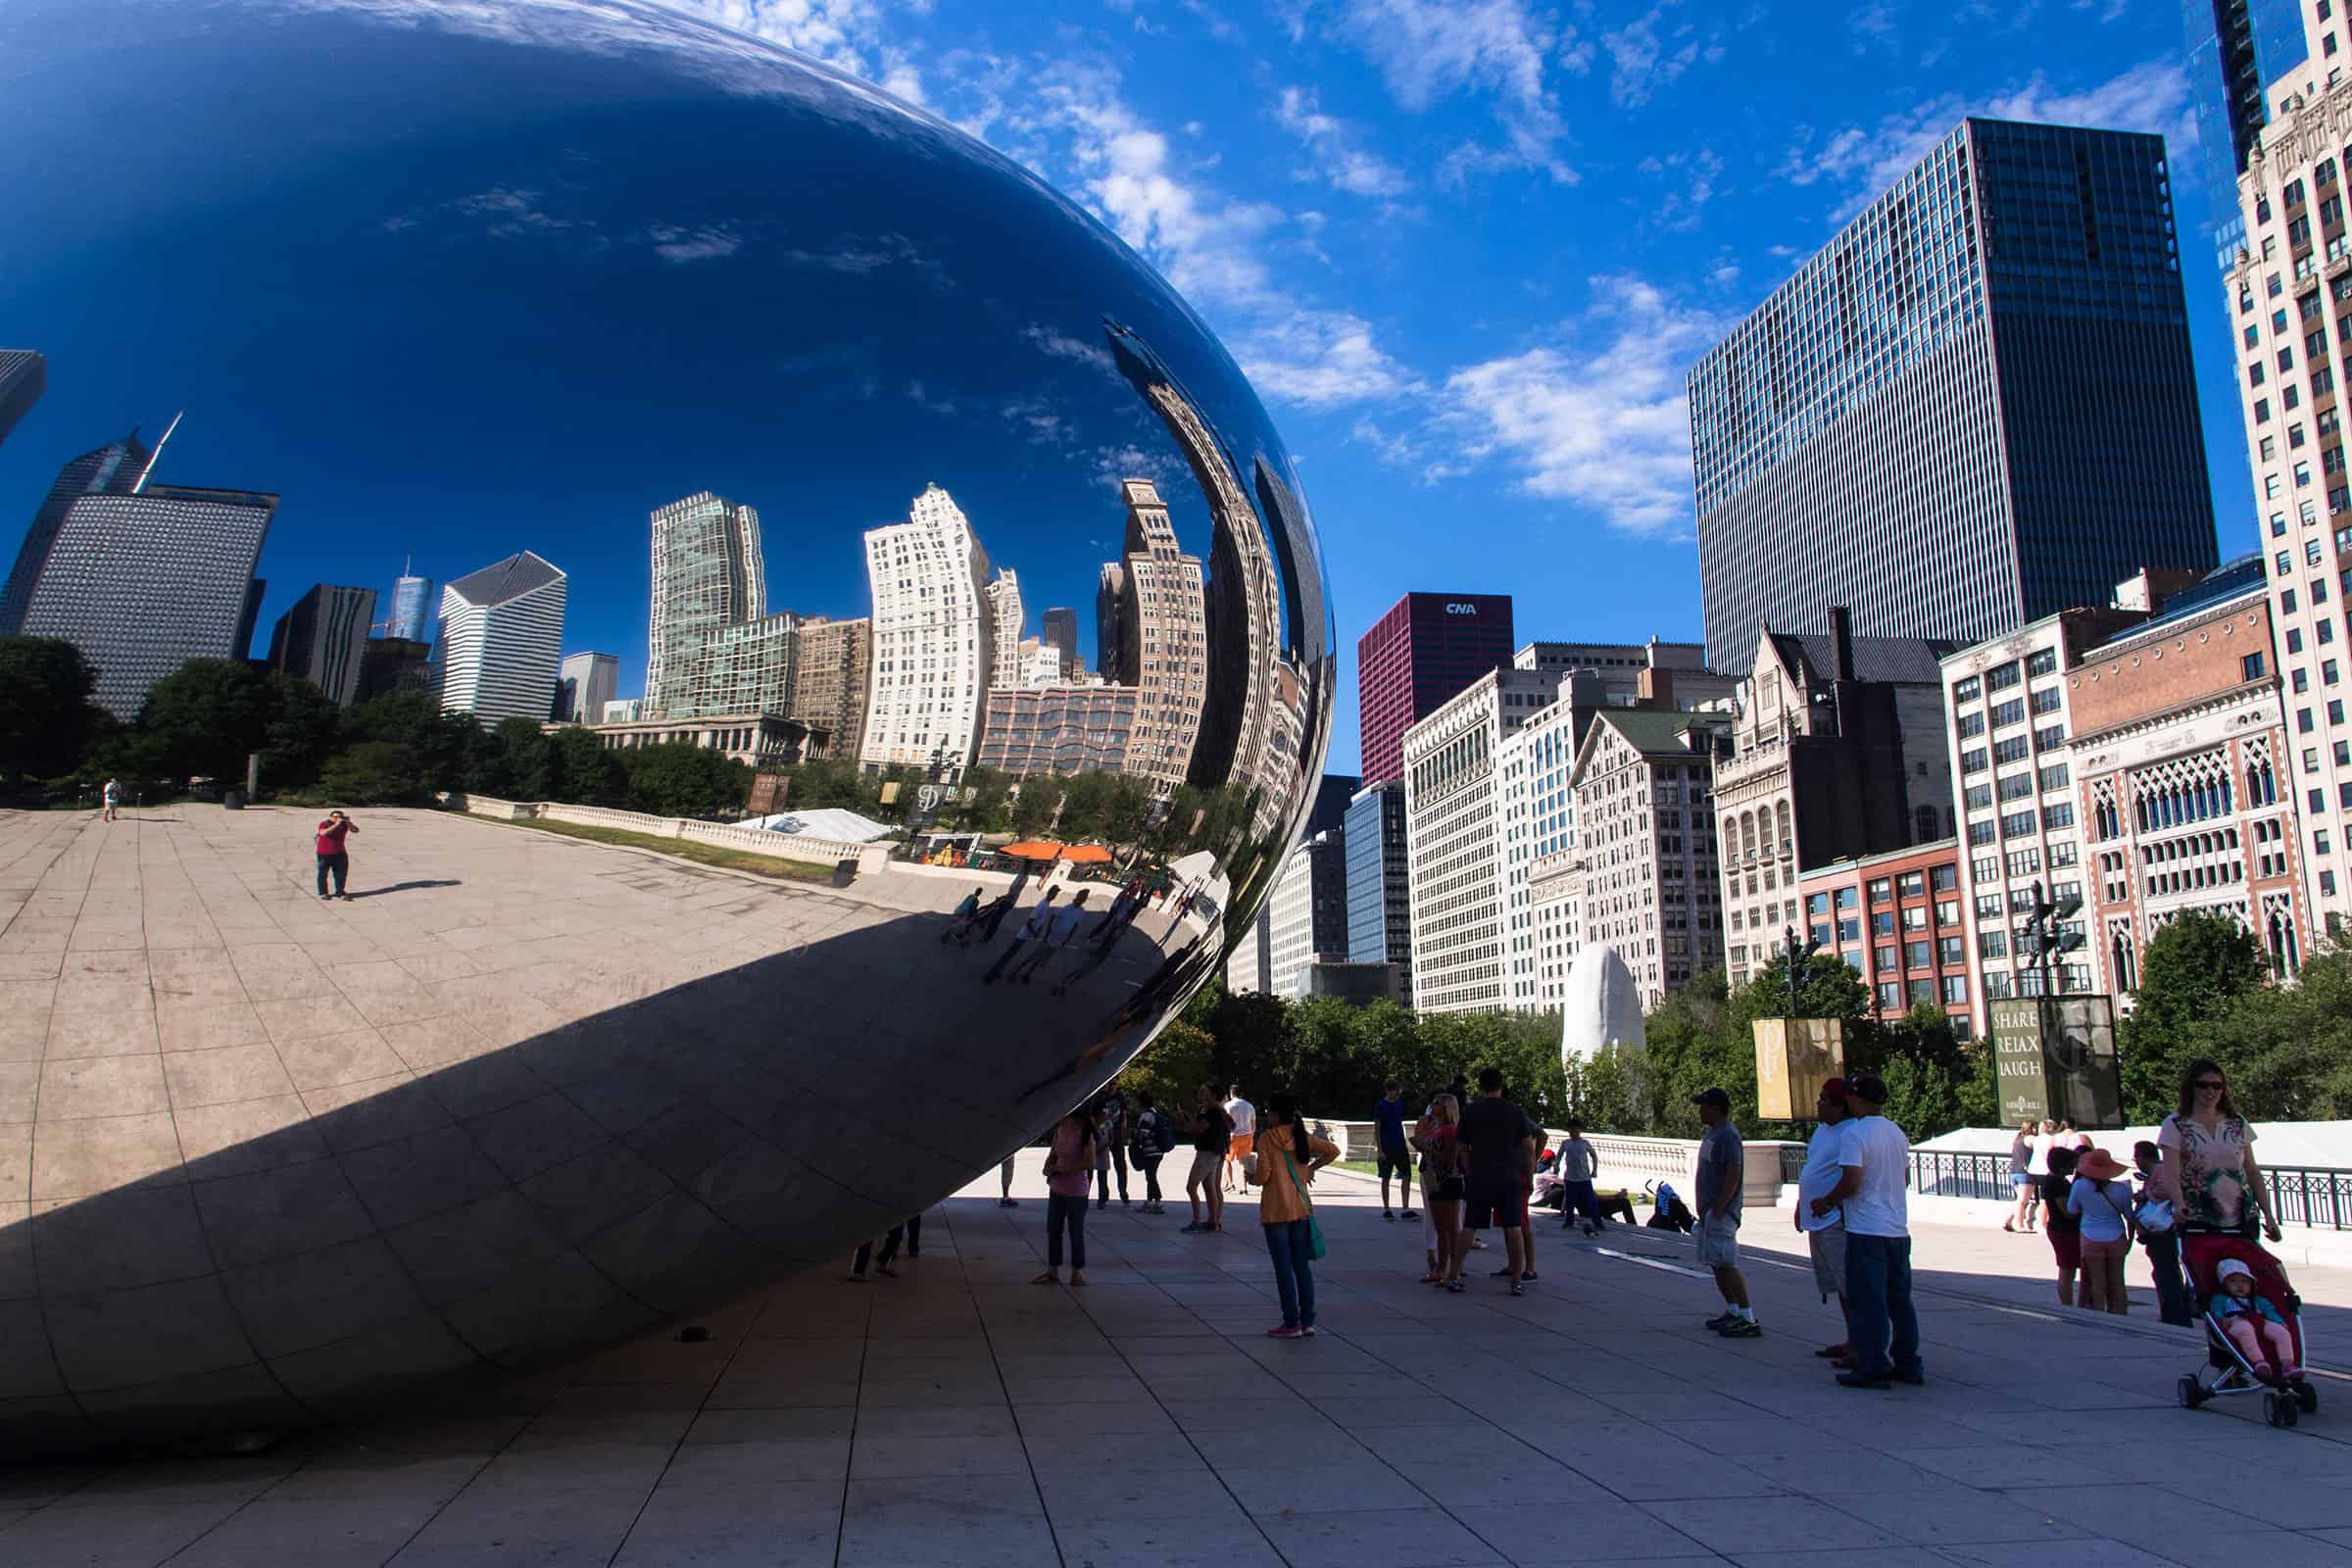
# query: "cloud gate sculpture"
[647,337]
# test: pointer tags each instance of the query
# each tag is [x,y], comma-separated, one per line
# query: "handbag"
[1314,1227]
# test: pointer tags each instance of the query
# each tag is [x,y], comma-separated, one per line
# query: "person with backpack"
[1282,1163]
[2159,1231]
[1150,1135]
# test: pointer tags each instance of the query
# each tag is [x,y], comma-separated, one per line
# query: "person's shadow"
[403,887]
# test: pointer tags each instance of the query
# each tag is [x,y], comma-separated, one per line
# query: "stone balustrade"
[1632,1162]
[871,859]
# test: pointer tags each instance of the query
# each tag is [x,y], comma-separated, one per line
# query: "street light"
[1798,957]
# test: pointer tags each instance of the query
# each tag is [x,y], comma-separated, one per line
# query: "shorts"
[1719,1241]
[1829,1259]
[2066,1246]
[2020,1178]
[1396,1160]
[1448,1190]
[1496,1203]
[1208,1166]
[1242,1146]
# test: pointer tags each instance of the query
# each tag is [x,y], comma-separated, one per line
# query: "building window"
[2250,666]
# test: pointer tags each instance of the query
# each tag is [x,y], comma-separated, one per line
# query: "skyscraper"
[113,470]
[934,637]
[1380,928]
[144,583]
[1974,408]
[1152,633]
[829,681]
[584,684]
[1427,648]
[23,376]
[324,639]
[2292,307]
[1306,913]
[502,629]
[1057,627]
[711,645]
[2236,48]
[1006,618]
[412,618]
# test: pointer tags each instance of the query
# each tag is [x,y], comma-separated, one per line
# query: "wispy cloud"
[1062,346]
[2153,96]
[1322,359]
[1604,424]
[1501,50]
[1653,51]
[686,245]
[1333,147]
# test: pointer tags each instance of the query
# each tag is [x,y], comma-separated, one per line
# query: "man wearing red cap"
[1825,1234]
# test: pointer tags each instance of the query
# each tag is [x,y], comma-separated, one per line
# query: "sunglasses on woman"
[2210,1084]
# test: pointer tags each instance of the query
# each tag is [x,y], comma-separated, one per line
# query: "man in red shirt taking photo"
[331,855]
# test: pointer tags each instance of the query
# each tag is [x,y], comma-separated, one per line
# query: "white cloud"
[1695,173]
[1062,346]
[2153,96]
[1427,50]
[684,245]
[1332,145]
[1114,464]
[1322,359]
[1650,52]
[513,212]
[1606,424]
[844,33]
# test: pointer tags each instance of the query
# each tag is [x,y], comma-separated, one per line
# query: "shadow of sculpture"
[557,1191]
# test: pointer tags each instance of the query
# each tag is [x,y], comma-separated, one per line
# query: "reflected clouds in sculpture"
[821,406]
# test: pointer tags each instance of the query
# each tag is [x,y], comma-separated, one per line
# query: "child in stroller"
[2253,1326]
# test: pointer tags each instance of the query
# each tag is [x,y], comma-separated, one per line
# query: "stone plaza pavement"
[959,1414]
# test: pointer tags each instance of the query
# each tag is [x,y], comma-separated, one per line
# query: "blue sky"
[1465,250]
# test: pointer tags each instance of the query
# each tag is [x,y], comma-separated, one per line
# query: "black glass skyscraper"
[24,375]
[2237,50]
[1974,408]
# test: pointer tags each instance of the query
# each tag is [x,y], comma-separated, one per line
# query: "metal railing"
[2317,1196]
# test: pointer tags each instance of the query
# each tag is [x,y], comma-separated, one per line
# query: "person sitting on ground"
[2254,1325]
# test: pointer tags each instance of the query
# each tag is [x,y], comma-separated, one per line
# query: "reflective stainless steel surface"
[589,281]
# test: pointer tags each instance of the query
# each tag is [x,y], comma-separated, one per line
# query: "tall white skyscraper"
[502,629]
[1006,618]
[934,637]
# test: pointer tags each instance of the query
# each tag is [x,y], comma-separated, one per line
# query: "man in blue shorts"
[1388,1121]
[1494,1131]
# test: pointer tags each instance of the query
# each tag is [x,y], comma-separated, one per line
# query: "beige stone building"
[1646,823]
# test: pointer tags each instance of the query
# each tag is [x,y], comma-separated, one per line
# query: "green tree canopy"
[46,715]
[208,716]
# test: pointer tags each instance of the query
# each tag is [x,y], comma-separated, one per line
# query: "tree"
[305,729]
[2287,1049]
[372,774]
[442,744]
[677,779]
[1033,809]
[47,717]
[2193,972]
[208,716]
[583,771]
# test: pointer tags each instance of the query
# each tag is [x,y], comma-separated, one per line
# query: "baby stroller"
[1668,1213]
[2204,1248]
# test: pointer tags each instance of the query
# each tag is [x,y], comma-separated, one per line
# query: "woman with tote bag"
[1283,1162]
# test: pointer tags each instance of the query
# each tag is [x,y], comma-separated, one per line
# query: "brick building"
[2185,773]
[1898,918]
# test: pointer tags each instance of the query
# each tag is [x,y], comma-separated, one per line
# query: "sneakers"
[1864,1380]
[1718,1321]
[1009,1202]
[1194,1226]
[1285,1331]
[1518,1289]
[1388,1213]
[1740,1328]
[1457,1286]
[1500,1273]
[1306,1331]
[1528,1277]
[1410,1213]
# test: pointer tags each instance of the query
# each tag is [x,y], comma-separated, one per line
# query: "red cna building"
[1428,648]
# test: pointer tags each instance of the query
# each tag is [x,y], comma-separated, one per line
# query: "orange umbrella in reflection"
[1086,855]
[1032,850]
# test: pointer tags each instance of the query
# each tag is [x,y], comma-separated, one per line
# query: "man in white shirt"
[1874,1166]
[1061,928]
[1825,1234]
[1245,1139]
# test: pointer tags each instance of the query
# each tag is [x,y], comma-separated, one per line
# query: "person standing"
[2209,1169]
[1716,1194]
[1243,1118]
[2102,1205]
[1069,1168]
[1061,928]
[1213,1139]
[111,798]
[1283,1161]
[1578,1164]
[1150,1138]
[1388,1123]
[1880,1321]
[2153,1215]
[1441,1188]
[1494,1131]
[1824,1233]
[1032,929]
[960,925]
[1111,1148]
[2062,1228]
[887,1254]
[2021,1178]
[1535,1138]
[1004,1197]
[332,857]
